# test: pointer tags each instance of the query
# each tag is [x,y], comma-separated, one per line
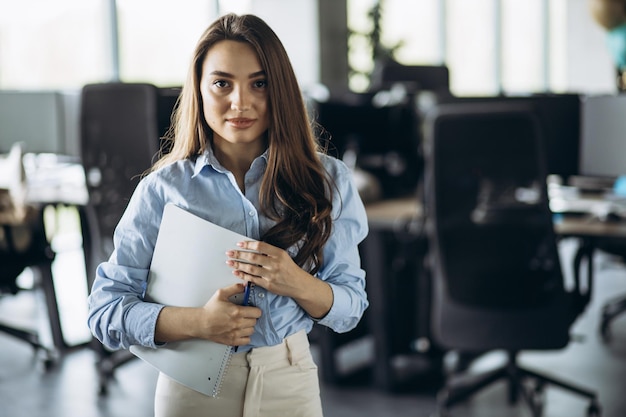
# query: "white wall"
[590,68]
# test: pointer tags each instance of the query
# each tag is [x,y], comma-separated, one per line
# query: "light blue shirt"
[118,315]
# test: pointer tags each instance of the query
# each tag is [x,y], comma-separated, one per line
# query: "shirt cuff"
[340,318]
[146,315]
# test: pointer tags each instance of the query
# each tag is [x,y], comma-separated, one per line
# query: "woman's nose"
[239,101]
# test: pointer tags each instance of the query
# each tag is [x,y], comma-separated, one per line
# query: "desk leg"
[586,250]
[47,282]
[86,234]
[374,254]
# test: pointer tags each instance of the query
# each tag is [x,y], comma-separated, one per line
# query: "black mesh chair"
[119,131]
[583,259]
[382,141]
[22,246]
[496,275]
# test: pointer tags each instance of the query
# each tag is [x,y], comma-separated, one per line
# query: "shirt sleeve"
[118,316]
[342,263]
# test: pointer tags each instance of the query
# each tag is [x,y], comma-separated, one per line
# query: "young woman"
[244,157]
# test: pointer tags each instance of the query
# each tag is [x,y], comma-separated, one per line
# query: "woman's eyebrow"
[229,75]
[221,74]
[257,74]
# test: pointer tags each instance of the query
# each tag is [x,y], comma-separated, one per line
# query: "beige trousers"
[270,381]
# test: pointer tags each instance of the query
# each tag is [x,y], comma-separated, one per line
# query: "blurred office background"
[51,49]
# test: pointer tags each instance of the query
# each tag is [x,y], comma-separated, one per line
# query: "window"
[53,44]
[489,46]
[471,47]
[523,46]
[360,53]
[157,38]
[418,26]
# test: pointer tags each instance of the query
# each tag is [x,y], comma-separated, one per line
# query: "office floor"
[70,389]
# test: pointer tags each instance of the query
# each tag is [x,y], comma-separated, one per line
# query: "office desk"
[594,234]
[404,212]
[397,330]
[393,214]
[393,253]
[51,180]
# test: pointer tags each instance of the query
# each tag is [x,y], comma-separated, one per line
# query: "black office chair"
[22,246]
[496,276]
[617,305]
[583,258]
[119,130]
[381,141]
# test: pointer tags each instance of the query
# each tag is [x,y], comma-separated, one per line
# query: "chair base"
[521,382]
[107,362]
[32,337]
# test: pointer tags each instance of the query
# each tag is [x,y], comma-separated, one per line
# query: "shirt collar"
[207,158]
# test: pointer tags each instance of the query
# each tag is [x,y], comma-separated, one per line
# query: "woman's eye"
[260,84]
[220,83]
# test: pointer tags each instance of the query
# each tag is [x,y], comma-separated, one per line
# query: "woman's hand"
[219,320]
[272,268]
[228,323]
[268,267]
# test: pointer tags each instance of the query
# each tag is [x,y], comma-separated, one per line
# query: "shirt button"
[262,295]
[251,213]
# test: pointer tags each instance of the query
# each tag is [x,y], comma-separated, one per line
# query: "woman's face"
[234,94]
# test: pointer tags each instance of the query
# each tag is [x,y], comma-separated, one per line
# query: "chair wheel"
[48,363]
[593,410]
[605,330]
[49,358]
[538,399]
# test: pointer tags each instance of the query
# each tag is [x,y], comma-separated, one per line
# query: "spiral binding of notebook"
[222,371]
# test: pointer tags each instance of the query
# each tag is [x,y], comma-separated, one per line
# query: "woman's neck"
[237,158]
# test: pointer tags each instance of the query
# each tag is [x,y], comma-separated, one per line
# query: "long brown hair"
[295,190]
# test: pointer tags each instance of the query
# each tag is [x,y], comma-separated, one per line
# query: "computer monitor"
[421,77]
[603,142]
[384,140]
[35,118]
[559,117]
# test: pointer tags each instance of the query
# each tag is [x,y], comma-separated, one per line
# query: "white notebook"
[187,267]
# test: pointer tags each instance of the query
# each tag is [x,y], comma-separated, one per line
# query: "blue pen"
[246,301]
[246,294]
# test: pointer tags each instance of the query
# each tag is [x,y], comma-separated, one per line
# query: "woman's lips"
[241,123]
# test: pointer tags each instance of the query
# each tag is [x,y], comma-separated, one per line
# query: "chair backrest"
[119,132]
[22,246]
[496,271]
[560,119]
[168,100]
[424,77]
